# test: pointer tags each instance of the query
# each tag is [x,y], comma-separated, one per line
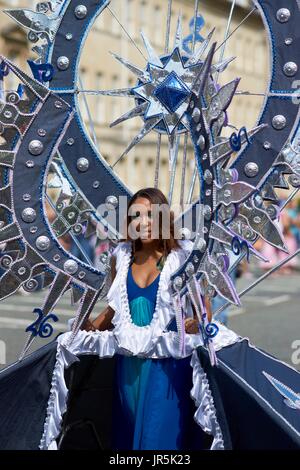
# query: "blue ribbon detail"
[237,246]
[41,72]
[40,327]
[236,139]
[4,69]
[20,90]
[211,330]
[188,40]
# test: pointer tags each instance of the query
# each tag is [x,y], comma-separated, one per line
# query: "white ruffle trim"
[205,415]
[104,344]
[151,341]
[57,403]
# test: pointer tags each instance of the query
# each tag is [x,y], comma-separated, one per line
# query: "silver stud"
[192,104]
[7,114]
[96,184]
[29,215]
[33,229]
[21,271]
[71,215]
[201,142]
[83,164]
[177,283]
[198,128]
[283,15]
[36,147]
[208,192]
[257,219]
[103,258]
[251,169]
[290,69]
[56,258]
[70,141]
[6,261]
[111,202]
[185,233]
[208,176]
[26,197]
[190,269]
[42,132]
[272,211]
[267,145]
[294,180]
[288,41]
[70,266]
[81,275]
[196,115]
[195,259]
[213,272]
[80,12]
[58,104]
[201,245]
[69,36]
[31,285]
[63,63]
[29,163]
[207,212]
[227,193]
[279,122]
[42,243]
[258,200]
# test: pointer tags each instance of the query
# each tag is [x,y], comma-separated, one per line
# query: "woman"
[153,409]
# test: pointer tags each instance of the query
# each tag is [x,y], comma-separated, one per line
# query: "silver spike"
[152,56]
[149,125]
[142,74]
[200,51]
[178,35]
[137,111]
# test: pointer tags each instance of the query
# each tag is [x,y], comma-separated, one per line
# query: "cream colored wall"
[101,71]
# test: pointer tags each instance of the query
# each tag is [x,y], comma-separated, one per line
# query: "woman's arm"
[103,320]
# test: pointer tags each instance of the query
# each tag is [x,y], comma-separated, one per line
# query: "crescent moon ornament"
[176,95]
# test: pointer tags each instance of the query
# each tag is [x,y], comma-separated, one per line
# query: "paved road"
[269,317]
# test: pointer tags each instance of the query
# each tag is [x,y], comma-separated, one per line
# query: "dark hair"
[155,196]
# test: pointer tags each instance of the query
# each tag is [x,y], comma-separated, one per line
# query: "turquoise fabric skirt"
[153,409]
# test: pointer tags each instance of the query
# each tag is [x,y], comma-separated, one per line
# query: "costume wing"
[176,95]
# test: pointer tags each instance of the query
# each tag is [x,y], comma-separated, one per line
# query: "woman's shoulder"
[118,251]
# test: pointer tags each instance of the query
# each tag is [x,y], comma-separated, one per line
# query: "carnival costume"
[243,397]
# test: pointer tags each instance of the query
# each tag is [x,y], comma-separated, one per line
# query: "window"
[115,110]
[130,17]
[157,22]
[100,100]
[82,83]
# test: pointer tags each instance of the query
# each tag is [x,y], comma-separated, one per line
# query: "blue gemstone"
[172,92]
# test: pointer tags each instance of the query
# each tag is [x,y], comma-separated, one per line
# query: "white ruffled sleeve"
[112,294]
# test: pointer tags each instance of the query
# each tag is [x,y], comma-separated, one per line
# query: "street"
[269,317]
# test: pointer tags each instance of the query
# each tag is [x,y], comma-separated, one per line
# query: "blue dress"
[152,405]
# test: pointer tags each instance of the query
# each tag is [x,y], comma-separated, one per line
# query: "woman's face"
[141,220]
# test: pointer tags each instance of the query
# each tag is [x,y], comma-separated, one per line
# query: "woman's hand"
[88,326]
[191,326]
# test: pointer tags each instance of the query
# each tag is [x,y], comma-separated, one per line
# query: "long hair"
[155,196]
